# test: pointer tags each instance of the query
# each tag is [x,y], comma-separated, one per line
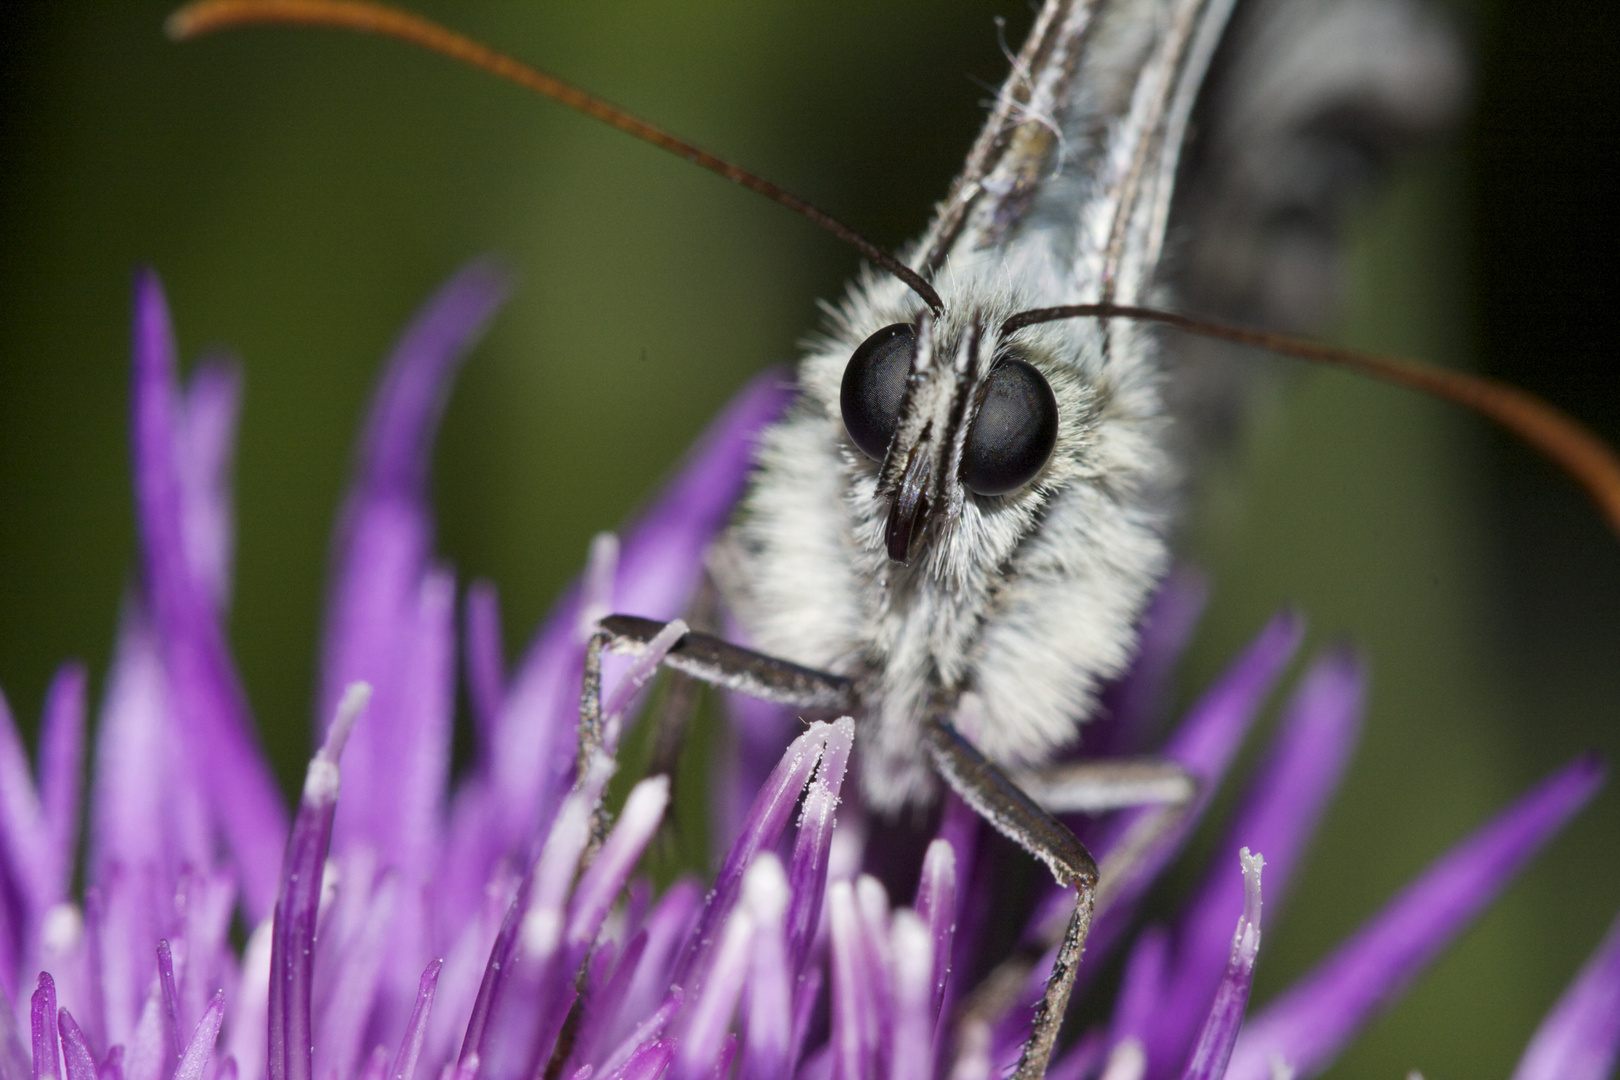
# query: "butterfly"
[964,473]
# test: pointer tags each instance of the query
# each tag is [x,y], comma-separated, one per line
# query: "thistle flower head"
[408,923]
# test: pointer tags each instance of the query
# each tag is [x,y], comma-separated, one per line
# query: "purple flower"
[409,923]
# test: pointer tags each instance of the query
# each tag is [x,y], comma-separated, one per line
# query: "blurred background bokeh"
[300,193]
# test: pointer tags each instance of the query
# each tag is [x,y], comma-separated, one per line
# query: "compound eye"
[874,384]
[1014,432]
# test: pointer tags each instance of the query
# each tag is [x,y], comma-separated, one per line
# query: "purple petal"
[708,1020]
[81,1065]
[350,996]
[1580,1038]
[113,1067]
[15,1063]
[936,906]
[171,999]
[529,1001]
[24,842]
[647,1063]
[807,872]
[47,1054]
[768,1008]
[1142,987]
[410,1046]
[148,806]
[604,881]
[485,656]
[645,1033]
[207,444]
[911,1045]
[1283,806]
[854,1053]
[754,737]
[658,570]
[207,903]
[872,915]
[1312,1020]
[208,698]
[194,1062]
[1214,1047]
[386,627]
[667,928]
[61,772]
[1205,744]
[292,947]
[766,822]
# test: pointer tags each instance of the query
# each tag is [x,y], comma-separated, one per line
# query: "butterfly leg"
[707,659]
[995,797]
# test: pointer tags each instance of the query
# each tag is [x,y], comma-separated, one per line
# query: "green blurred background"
[301,193]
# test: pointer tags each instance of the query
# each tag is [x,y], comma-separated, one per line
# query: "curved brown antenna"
[207,16]
[1558,436]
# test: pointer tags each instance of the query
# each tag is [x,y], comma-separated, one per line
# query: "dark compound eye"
[1014,432]
[874,384]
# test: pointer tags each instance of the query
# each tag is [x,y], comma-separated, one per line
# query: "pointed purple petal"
[936,906]
[766,822]
[768,1006]
[709,1018]
[194,1062]
[911,1045]
[61,772]
[647,1063]
[171,999]
[207,444]
[208,697]
[81,1065]
[410,1047]
[292,946]
[14,1058]
[812,847]
[667,928]
[148,807]
[644,1034]
[1214,1047]
[486,663]
[1314,1018]
[349,1002]
[601,885]
[113,1067]
[1205,744]
[1142,987]
[1281,811]
[24,843]
[379,625]
[849,1004]
[1580,1038]
[657,572]
[47,1053]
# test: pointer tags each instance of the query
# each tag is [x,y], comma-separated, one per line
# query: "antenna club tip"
[189,21]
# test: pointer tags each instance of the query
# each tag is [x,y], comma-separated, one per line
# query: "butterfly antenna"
[208,16]
[1555,434]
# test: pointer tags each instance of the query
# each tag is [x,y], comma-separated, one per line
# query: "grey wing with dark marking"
[1306,106]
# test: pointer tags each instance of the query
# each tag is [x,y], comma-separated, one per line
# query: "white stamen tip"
[644,809]
[765,889]
[596,602]
[62,928]
[356,696]
[913,953]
